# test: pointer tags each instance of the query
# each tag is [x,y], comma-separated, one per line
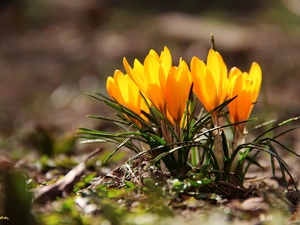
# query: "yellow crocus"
[166,86]
[151,76]
[121,88]
[210,81]
[178,86]
[246,87]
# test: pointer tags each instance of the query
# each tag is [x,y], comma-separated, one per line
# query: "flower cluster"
[167,87]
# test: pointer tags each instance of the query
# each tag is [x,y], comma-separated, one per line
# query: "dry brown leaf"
[63,186]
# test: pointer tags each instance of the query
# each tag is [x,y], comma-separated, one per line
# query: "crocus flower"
[151,76]
[211,87]
[121,88]
[178,86]
[166,86]
[210,81]
[246,87]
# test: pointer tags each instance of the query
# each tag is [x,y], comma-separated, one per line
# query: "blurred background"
[53,51]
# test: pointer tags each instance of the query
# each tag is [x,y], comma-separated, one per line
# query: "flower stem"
[238,139]
[218,150]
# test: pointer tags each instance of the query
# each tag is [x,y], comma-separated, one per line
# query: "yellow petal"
[110,86]
[198,70]
[151,70]
[154,54]
[255,75]
[213,65]
[234,72]
[166,60]
[135,75]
